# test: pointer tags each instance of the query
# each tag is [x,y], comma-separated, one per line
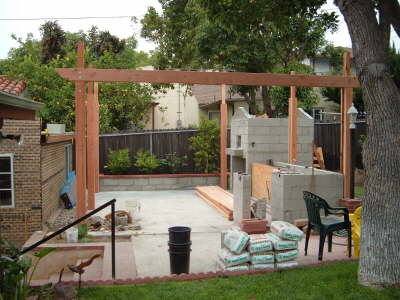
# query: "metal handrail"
[77,221]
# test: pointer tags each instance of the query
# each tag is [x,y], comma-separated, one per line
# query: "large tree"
[34,61]
[369,23]
[255,36]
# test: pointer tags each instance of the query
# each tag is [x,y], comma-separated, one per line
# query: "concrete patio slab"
[163,209]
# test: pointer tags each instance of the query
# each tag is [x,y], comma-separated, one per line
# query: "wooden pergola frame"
[87,116]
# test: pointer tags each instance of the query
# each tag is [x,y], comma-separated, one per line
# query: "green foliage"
[104,51]
[126,103]
[205,145]
[306,96]
[53,41]
[101,42]
[146,162]
[16,279]
[83,231]
[242,35]
[172,163]
[118,161]
[330,281]
[336,53]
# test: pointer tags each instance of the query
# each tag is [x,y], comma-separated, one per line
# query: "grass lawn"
[337,281]
[358,192]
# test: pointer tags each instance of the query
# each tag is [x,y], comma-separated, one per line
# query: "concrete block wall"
[27,178]
[264,139]
[287,191]
[152,183]
[241,197]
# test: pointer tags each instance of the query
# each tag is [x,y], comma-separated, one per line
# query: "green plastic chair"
[325,226]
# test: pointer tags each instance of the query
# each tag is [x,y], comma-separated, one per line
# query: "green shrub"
[118,161]
[205,145]
[146,162]
[173,163]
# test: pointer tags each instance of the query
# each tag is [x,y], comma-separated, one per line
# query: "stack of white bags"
[242,252]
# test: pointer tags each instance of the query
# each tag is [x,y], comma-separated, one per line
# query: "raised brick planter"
[351,204]
[155,182]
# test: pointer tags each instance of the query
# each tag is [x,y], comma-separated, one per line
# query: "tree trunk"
[267,102]
[380,255]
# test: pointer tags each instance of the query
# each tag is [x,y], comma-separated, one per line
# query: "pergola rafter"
[88,123]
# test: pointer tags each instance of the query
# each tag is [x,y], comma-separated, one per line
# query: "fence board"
[327,136]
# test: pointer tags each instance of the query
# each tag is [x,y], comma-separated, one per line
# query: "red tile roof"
[11,86]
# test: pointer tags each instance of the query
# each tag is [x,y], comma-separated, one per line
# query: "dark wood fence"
[327,136]
[158,143]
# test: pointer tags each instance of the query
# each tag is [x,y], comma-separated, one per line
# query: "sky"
[121,27]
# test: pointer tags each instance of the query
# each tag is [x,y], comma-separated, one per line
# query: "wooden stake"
[223,139]
[80,133]
[345,127]
[292,145]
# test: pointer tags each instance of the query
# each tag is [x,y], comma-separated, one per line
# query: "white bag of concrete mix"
[287,264]
[262,267]
[286,231]
[236,241]
[286,255]
[230,259]
[242,267]
[258,243]
[262,258]
[280,244]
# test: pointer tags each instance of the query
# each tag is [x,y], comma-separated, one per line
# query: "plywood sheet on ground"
[261,176]
[218,198]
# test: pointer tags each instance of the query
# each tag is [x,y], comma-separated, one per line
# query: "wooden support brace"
[91,162]
[223,139]
[292,145]
[347,100]
[80,137]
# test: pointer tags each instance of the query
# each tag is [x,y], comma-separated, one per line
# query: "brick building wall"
[17,223]
[53,177]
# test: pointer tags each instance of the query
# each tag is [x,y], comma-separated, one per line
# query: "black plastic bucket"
[179,261]
[179,234]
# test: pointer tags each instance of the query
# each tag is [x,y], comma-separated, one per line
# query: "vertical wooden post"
[80,136]
[91,173]
[345,128]
[292,145]
[223,139]
[96,139]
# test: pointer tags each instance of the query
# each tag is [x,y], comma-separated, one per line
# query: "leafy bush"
[146,162]
[118,161]
[205,145]
[173,163]
[16,279]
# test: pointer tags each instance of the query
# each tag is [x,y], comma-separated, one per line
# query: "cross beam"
[201,77]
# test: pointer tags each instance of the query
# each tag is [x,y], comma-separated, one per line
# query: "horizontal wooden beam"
[211,78]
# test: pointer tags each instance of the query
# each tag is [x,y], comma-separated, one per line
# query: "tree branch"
[384,21]
[394,14]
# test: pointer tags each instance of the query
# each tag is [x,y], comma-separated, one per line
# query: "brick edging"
[102,176]
[196,276]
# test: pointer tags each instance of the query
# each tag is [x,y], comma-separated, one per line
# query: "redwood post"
[292,145]
[223,139]
[91,159]
[96,137]
[345,127]
[80,136]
